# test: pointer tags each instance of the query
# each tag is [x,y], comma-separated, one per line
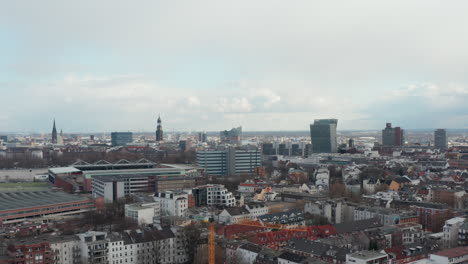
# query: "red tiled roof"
[397,251]
[453,252]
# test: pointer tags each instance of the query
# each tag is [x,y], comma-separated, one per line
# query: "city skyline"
[267,65]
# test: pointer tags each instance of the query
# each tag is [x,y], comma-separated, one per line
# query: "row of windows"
[46,209]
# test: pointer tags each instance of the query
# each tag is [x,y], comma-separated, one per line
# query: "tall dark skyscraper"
[159,131]
[440,139]
[323,135]
[54,134]
[392,136]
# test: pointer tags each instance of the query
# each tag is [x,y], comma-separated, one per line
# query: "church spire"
[159,131]
[54,134]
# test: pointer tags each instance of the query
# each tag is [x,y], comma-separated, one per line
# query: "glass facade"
[323,135]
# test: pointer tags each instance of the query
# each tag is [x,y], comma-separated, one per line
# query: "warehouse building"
[20,206]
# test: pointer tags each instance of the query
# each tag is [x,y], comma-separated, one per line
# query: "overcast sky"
[209,65]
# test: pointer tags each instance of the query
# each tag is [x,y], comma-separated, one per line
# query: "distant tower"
[323,136]
[440,139]
[54,134]
[393,136]
[159,131]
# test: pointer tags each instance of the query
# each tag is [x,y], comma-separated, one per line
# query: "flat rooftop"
[136,171]
[367,255]
[21,200]
[111,178]
[64,170]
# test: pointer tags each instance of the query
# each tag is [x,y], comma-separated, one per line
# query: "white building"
[257,209]
[247,187]
[370,185]
[234,215]
[322,178]
[331,209]
[143,213]
[366,257]
[450,231]
[172,203]
[93,247]
[247,253]
[219,195]
[146,246]
[65,250]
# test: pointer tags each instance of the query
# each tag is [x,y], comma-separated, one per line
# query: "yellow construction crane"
[211,242]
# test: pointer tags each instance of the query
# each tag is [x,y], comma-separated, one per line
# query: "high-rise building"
[283,149]
[268,149]
[202,137]
[296,150]
[233,136]
[392,136]
[229,162]
[440,139]
[54,134]
[159,131]
[121,138]
[323,135]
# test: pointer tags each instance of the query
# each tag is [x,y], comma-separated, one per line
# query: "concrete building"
[290,258]
[219,195]
[234,215]
[115,184]
[440,139]
[331,209]
[17,207]
[323,135]
[213,195]
[143,213]
[229,162]
[463,234]
[450,256]
[94,247]
[451,230]
[386,215]
[366,257]
[172,203]
[248,253]
[65,249]
[32,250]
[141,246]
[392,136]
[121,138]
[257,209]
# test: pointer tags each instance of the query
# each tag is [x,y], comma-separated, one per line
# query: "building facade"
[323,136]
[233,136]
[121,138]
[172,203]
[229,162]
[392,136]
[17,207]
[143,213]
[451,231]
[440,139]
